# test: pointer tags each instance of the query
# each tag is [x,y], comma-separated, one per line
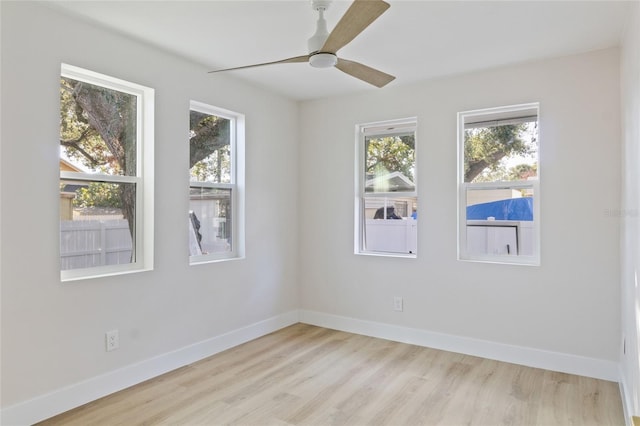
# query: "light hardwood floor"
[306,375]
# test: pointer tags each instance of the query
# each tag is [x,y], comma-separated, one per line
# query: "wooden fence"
[90,243]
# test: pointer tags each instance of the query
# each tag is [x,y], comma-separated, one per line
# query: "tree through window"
[213,186]
[387,201]
[102,135]
[499,191]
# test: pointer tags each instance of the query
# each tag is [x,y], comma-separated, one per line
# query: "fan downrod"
[319,59]
[317,40]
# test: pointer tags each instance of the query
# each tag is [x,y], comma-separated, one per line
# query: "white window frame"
[504,115]
[379,128]
[143,180]
[237,138]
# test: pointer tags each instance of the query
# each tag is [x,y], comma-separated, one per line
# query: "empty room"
[320,212]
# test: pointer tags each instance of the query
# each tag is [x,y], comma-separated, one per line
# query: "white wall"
[53,333]
[630,212]
[569,305]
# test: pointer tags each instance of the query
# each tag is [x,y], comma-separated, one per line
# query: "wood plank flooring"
[306,375]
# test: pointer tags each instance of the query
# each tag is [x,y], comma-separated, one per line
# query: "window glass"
[390,163]
[93,231]
[101,179]
[98,128]
[210,218]
[495,153]
[387,201]
[213,188]
[499,195]
[210,148]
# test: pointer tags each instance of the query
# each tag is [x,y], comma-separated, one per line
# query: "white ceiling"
[413,40]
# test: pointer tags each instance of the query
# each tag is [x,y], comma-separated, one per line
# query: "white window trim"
[144,179]
[513,112]
[378,128]
[237,185]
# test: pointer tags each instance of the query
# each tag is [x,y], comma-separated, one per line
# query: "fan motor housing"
[323,60]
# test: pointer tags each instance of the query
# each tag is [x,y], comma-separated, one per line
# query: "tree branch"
[75,143]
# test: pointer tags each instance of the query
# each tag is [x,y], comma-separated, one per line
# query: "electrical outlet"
[397,303]
[112,340]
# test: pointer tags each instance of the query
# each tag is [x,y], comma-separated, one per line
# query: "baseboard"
[626,400]
[625,406]
[59,401]
[554,361]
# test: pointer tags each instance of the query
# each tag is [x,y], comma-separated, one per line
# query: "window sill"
[194,262]
[503,260]
[382,254]
[75,275]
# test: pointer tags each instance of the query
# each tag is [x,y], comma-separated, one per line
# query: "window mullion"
[95,177]
[196,184]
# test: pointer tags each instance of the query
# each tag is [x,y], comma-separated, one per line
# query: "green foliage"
[500,173]
[390,154]
[79,139]
[523,171]
[486,147]
[98,194]
[209,147]
[493,174]
[214,168]
[98,131]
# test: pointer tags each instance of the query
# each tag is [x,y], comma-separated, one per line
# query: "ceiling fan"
[323,46]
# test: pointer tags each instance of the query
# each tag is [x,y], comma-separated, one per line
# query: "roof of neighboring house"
[394,182]
[66,166]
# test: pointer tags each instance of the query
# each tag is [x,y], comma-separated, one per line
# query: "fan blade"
[364,73]
[293,60]
[358,17]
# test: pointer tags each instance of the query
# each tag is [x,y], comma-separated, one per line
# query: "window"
[106,175]
[214,201]
[499,199]
[386,193]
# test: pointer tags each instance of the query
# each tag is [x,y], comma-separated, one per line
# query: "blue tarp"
[509,209]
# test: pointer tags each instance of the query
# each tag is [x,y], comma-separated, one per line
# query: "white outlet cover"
[112,340]
[397,303]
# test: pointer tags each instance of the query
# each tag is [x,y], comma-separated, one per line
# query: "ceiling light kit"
[323,46]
